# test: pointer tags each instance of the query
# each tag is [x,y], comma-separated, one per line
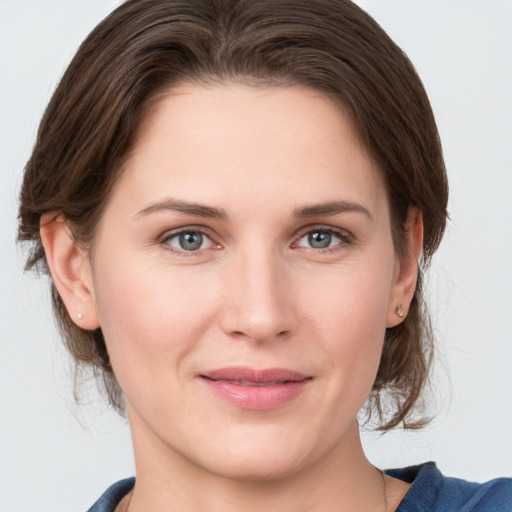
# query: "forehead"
[216,142]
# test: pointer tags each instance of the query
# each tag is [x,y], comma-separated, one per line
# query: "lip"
[256,390]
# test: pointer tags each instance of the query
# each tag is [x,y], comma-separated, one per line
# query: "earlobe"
[407,273]
[70,270]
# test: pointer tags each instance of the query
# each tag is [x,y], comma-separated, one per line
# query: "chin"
[260,459]
[259,468]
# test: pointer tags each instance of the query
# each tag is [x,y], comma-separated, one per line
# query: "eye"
[323,239]
[189,241]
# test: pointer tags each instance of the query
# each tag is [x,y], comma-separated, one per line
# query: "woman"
[235,201]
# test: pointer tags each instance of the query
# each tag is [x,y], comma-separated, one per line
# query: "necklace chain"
[129,500]
[384,494]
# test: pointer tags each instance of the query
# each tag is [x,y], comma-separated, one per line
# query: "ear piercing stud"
[400,311]
[79,316]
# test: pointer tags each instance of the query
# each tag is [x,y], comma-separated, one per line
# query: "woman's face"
[243,276]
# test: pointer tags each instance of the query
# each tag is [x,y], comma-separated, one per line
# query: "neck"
[342,480]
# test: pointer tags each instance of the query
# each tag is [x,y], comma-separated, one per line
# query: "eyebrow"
[196,209]
[331,208]
[210,212]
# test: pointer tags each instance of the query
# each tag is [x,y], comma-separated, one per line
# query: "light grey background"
[57,457]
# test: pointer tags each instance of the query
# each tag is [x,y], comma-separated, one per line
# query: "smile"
[250,383]
[257,390]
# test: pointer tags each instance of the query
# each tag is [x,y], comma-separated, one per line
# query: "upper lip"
[250,375]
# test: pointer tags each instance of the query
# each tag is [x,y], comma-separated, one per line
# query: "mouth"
[250,383]
[252,389]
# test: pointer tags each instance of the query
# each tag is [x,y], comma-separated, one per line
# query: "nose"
[258,298]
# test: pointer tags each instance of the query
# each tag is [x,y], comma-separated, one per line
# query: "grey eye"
[322,239]
[319,239]
[188,241]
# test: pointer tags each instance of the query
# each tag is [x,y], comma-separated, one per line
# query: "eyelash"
[165,239]
[344,236]
[345,239]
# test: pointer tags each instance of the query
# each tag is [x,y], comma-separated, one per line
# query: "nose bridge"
[258,305]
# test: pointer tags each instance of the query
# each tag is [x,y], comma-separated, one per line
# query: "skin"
[256,294]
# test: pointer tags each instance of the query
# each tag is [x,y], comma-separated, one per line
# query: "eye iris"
[319,239]
[190,241]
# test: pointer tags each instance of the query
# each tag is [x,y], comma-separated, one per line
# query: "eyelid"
[345,236]
[167,235]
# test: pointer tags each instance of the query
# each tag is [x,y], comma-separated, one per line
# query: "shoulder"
[433,492]
[109,500]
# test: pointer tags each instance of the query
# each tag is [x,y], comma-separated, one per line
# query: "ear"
[70,270]
[406,273]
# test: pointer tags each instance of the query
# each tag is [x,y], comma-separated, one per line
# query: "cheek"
[349,315]
[351,302]
[151,317]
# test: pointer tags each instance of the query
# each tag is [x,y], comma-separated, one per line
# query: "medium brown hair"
[145,47]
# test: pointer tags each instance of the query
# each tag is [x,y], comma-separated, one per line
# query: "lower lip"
[257,398]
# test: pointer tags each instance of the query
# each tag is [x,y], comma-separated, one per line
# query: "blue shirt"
[430,492]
